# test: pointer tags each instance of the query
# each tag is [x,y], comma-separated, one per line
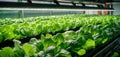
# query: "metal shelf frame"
[21,5]
[106,52]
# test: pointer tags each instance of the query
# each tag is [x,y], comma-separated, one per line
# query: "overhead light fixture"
[46,9]
[38,6]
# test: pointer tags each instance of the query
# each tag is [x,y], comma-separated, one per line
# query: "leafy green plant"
[6,52]
[29,50]
[18,51]
[115,54]
[93,31]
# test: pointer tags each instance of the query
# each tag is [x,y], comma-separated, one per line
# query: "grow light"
[46,9]
[39,6]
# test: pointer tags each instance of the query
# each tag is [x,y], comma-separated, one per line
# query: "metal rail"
[106,52]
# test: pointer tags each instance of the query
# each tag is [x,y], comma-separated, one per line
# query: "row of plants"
[10,21]
[93,32]
[66,44]
[50,46]
[26,29]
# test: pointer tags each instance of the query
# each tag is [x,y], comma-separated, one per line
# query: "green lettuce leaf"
[29,49]
[6,52]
